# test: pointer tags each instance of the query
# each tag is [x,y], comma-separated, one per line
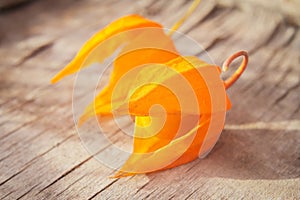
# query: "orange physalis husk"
[160,140]
[148,72]
[167,138]
[131,34]
[183,130]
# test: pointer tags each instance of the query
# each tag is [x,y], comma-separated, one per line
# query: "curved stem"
[228,82]
[183,19]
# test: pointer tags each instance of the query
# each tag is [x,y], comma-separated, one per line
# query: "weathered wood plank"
[41,156]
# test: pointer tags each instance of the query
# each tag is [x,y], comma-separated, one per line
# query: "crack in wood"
[69,186]
[7,156]
[7,195]
[296,111]
[216,42]
[155,7]
[33,160]
[107,186]
[73,169]
[263,67]
[31,122]
[216,12]
[171,197]
[148,195]
[285,94]
[40,133]
[269,39]
[5,102]
[143,186]
[23,195]
[18,106]
[11,6]
[43,115]
[281,79]
[193,166]
[191,194]
[66,173]
[18,128]
[292,38]
[35,52]
[77,166]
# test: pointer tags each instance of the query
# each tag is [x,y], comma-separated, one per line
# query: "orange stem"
[191,9]
[228,82]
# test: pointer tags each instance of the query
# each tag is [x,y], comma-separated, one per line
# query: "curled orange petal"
[120,25]
[131,34]
[138,52]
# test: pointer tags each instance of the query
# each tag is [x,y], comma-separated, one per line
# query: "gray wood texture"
[257,156]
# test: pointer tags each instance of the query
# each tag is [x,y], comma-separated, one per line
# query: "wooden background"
[257,156]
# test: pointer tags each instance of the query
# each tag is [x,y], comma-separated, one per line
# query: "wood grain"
[43,157]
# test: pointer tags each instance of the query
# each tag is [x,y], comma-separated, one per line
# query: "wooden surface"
[257,156]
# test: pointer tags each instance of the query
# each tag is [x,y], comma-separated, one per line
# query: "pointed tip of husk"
[121,174]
